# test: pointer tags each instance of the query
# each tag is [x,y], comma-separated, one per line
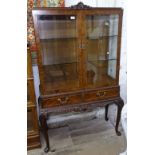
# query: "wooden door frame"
[56,11]
[106,11]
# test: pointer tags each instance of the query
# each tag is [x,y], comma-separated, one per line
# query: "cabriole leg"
[44,127]
[106,112]
[120,105]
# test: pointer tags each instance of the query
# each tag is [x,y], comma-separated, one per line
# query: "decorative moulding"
[80,5]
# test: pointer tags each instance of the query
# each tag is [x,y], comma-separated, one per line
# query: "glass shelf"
[60,38]
[102,60]
[101,37]
[100,63]
[102,48]
[101,72]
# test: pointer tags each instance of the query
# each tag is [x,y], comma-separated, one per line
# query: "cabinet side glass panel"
[102,33]
[58,38]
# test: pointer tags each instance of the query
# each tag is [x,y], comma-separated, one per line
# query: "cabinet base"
[80,107]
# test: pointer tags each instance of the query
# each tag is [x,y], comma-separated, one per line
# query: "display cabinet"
[33,136]
[78,59]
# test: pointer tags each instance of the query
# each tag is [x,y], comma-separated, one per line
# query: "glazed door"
[101,38]
[59,40]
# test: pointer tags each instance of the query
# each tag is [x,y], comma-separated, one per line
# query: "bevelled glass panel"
[29,120]
[58,38]
[102,34]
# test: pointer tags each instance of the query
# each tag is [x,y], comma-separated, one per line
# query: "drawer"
[61,100]
[101,94]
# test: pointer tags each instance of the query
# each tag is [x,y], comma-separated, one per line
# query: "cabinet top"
[79,6]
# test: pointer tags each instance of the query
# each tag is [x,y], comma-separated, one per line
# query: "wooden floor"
[93,137]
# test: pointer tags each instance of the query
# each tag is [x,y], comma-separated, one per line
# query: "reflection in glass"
[102,33]
[58,39]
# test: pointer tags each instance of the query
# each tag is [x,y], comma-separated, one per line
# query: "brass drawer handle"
[100,93]
[63,100]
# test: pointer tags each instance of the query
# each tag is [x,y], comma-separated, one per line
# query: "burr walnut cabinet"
[78,60]
[33,136]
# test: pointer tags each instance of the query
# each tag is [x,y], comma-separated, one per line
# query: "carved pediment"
[80,5]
